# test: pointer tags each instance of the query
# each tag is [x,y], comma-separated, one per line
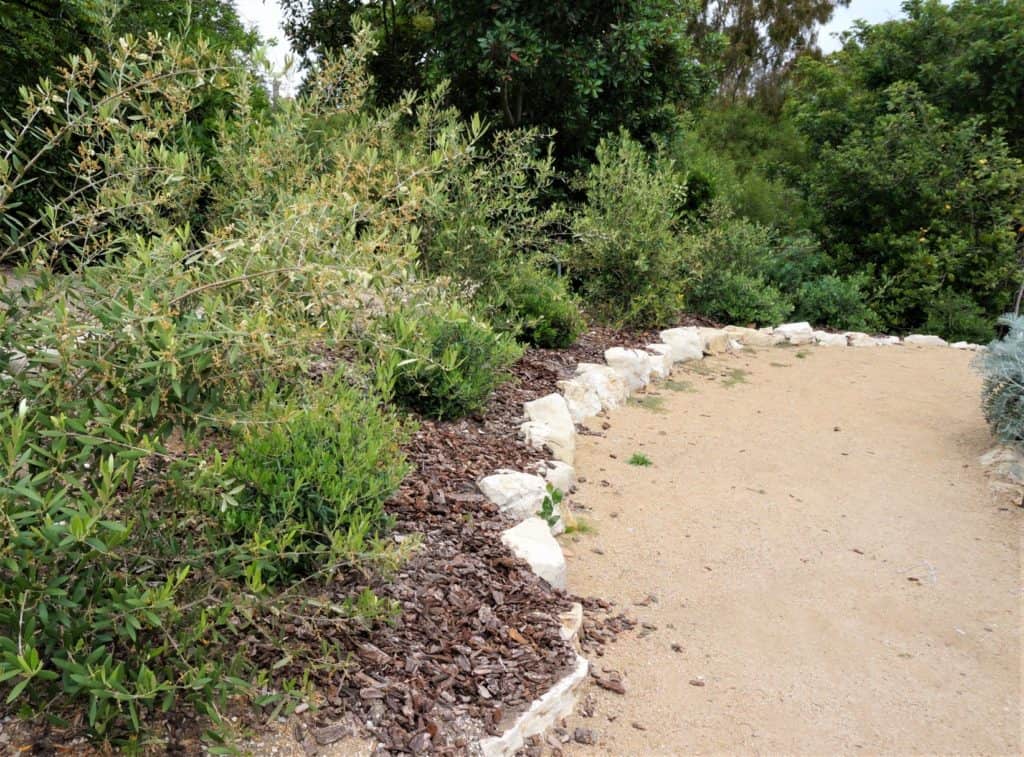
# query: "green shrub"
[629,259]
[317,481]
[835,301]
[441,360]
[544,312]
[957,317]
[1002,391]
[741,298]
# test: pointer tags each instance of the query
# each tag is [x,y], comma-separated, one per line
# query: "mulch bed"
[478,638]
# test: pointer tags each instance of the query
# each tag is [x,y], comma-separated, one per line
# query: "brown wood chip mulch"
[477,640]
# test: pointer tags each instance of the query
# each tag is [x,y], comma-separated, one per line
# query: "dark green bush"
[835,301]
[957,317]
[1002,391]
[441,360]
[316,481]
[541,306]
[741,298]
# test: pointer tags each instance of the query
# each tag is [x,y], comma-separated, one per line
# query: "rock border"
[551,425]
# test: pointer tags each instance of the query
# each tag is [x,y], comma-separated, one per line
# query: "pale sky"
[266,16]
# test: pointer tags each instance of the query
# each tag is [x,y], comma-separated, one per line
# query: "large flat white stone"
[518,495]
[608,384]
[581,397]
[924,340]
[825,339]
[551,426]
[754,337]
[560,475]
[715,341]
[661,360]
[789,329]
[686,343]
[633,366]
[532,542]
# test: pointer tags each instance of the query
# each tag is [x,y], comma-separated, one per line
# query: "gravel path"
[823,560]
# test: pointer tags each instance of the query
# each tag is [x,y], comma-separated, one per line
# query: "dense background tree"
[582,69]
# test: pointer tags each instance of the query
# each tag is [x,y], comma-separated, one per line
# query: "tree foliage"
[582,69]
[762,37]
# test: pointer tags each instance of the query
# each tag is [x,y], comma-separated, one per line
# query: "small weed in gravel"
[653,402]
[680,386]
[639,458]
[736,376]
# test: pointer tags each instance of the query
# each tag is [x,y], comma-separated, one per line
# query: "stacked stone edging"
[551,424]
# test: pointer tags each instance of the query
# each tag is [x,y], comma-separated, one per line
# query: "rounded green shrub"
[441,360]
[740,297]
[540,304]
[957,317]
[836,301]
[316,479]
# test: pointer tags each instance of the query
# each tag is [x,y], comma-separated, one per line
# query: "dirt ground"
[823,560]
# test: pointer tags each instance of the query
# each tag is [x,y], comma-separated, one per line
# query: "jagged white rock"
[924,340]
[753,337]
[634,366]
[581,397]
[532,541]
[661,360]
[519,495]
[608,384]
[560,475]
[788,329]
[550,425]
[887,341]
[965,346]
[860,339]
[715,341]
[685,342]
[826,339]
[557,703]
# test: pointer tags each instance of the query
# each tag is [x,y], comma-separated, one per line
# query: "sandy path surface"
[825,553]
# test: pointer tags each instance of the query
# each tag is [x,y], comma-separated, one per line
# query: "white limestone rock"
[532,542]
[860,339]
[661,360]
[581,398]
[826,339]
[560,475]
[686,344]
[887,341]
[924,340]
[634,366]
[965,346]
[518,495]
[789,329]
[606,382]
[798,340]
[715,341]
[557,703]
[753,337]
[551,426]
